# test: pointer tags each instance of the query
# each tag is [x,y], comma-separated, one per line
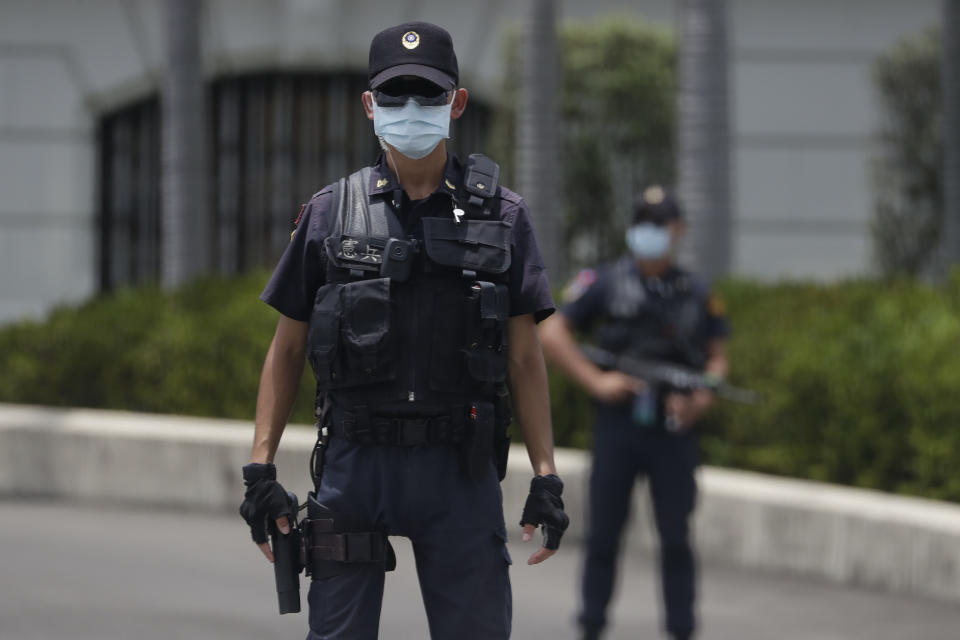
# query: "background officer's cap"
[656,205]
[413,49]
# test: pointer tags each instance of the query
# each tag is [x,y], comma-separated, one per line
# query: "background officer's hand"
[614,387]
[683,410]
[264,499]
[544,507]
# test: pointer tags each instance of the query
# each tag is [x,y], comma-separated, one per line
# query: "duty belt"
[402,432]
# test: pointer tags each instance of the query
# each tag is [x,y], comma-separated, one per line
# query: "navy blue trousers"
[456,528]
[622,452]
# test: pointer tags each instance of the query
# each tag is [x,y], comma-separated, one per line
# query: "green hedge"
[198,351]
[860,383]
[859,378]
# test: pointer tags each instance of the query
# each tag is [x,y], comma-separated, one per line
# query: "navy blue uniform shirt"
[300,272]
[586,299]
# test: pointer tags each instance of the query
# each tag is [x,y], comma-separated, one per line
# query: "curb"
[851,536]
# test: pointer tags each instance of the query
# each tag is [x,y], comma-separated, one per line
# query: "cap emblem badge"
[654,195]
[411,39]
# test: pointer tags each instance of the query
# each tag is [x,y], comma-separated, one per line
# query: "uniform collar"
[383,180]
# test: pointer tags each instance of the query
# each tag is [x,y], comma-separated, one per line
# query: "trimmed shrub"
[195,351]
[859,378]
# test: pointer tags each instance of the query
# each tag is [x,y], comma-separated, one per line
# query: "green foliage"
[196,351]
[615,126]
[858,378]
[908,166]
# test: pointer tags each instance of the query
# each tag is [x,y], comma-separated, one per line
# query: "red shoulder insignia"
[579,285]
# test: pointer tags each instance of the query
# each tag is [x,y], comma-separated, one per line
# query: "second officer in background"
[647,307]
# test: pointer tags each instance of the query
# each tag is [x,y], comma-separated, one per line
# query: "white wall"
[803,110]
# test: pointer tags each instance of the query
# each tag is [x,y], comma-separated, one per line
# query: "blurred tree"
[185,211]
[703,138]
[537,127]
[614,134]
[907,168]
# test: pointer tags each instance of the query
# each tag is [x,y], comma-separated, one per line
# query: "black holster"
[331,541]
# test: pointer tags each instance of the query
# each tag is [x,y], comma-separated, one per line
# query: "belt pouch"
[477,447]
[501,440]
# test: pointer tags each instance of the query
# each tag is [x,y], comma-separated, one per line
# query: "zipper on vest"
[412,344]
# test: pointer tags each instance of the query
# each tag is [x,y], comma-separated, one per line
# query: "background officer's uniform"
[669,318]
[454,522]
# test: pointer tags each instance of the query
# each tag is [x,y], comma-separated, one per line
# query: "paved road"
[95,573]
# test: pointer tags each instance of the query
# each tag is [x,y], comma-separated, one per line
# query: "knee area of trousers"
[677,550]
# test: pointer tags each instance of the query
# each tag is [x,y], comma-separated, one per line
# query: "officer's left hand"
[684,410]
[544,507]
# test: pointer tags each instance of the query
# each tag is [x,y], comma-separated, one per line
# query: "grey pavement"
[106,573]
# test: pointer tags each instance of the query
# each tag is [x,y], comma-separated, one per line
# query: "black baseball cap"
[656,205]
[413,49]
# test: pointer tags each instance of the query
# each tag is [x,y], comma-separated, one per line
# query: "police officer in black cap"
[413,288]
[645,306]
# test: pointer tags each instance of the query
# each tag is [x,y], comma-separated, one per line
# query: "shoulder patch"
[716,306]
[299,215]
[578,285]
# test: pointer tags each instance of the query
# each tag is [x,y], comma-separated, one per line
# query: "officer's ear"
[367,99]
[460,97]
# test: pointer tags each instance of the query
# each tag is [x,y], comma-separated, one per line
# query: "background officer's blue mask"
[648,241]
[412,130]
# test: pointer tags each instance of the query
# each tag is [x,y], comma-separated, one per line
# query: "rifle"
[676,376]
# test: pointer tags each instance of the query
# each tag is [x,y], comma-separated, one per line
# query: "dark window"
[274,140]
[130,196]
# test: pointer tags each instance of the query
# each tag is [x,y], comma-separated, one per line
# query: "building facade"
[78,126]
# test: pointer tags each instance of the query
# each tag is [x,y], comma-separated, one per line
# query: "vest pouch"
[323,335]
[486,354]
[450,316]
[475,245]
[367,355]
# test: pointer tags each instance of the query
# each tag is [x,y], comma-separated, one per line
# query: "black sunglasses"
[396,93]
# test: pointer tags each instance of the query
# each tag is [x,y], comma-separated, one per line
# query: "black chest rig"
[655,318]
[409,326]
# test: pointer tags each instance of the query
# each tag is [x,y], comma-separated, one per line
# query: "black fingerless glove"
[264,500]
[544,507]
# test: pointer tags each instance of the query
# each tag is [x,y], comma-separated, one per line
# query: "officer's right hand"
[613,387]
[264,499]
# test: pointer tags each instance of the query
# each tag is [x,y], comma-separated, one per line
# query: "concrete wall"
[851,536]
[803,110]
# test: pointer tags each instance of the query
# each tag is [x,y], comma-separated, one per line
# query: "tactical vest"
[657,318]
[405,327]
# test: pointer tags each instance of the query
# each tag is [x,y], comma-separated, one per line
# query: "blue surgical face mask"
[648,241]
[412,130]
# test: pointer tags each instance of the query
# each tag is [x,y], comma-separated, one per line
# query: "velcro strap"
[366,546]
[488,301]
